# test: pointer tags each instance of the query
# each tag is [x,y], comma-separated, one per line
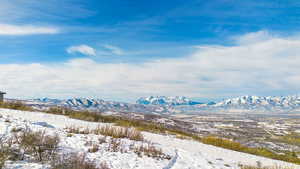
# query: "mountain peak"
[166,100]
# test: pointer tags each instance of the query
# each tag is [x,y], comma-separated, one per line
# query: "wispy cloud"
[49,10]
[114,49]
[6,29]
[254,37]
[82,49]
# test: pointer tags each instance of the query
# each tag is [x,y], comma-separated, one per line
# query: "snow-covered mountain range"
[285,102]
[166,101]
[92,104]
[170,105]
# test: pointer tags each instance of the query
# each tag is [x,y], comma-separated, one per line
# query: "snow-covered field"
[186,154]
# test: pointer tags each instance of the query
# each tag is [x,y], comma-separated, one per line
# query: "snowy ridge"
[166,101]
[287,102]
[94,105]
[186,154]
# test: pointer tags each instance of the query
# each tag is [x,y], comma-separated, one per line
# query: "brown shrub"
[75,161]
[150,150]
[114,145]
[94,148]
[4,153]
[7,152]
[41,146]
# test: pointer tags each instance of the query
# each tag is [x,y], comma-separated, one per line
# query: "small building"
[2,96]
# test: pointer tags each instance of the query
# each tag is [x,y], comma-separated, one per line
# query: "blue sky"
[120,37]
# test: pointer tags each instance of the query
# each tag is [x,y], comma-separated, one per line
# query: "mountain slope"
[186,154]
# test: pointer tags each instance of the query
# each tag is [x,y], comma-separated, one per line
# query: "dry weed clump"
[75,161]
[37,144]
[119,132]
[94,148]
[115,145]
[109,130]
[5,152]
[78,130]
[150,150]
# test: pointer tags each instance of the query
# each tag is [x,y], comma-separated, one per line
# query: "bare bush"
[37,144]
[114,145]
[94,148]
[102,140]
[78,130]
[4,152]
[75,161]
[7,152]
[150,150]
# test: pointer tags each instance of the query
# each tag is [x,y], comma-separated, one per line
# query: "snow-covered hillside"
[185,154]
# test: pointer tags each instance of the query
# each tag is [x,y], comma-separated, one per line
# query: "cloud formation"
[269,66]
[82,49]
[6,29]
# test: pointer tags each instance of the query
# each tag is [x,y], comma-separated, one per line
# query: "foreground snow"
[186,154]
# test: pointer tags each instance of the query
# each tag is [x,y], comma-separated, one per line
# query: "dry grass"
[261,167]
[75,161]
[78,130]
[37,144]
[150,150]
[109,130]
[4,152]
[16,105]
[232,145]
[115,145]
[119,132]
[94,148]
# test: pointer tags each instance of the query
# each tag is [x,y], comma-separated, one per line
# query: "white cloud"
[114,49]
[262,67]
[254,37]
[82,49]
[6,29]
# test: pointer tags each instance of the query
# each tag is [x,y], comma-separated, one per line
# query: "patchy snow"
[186,154]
